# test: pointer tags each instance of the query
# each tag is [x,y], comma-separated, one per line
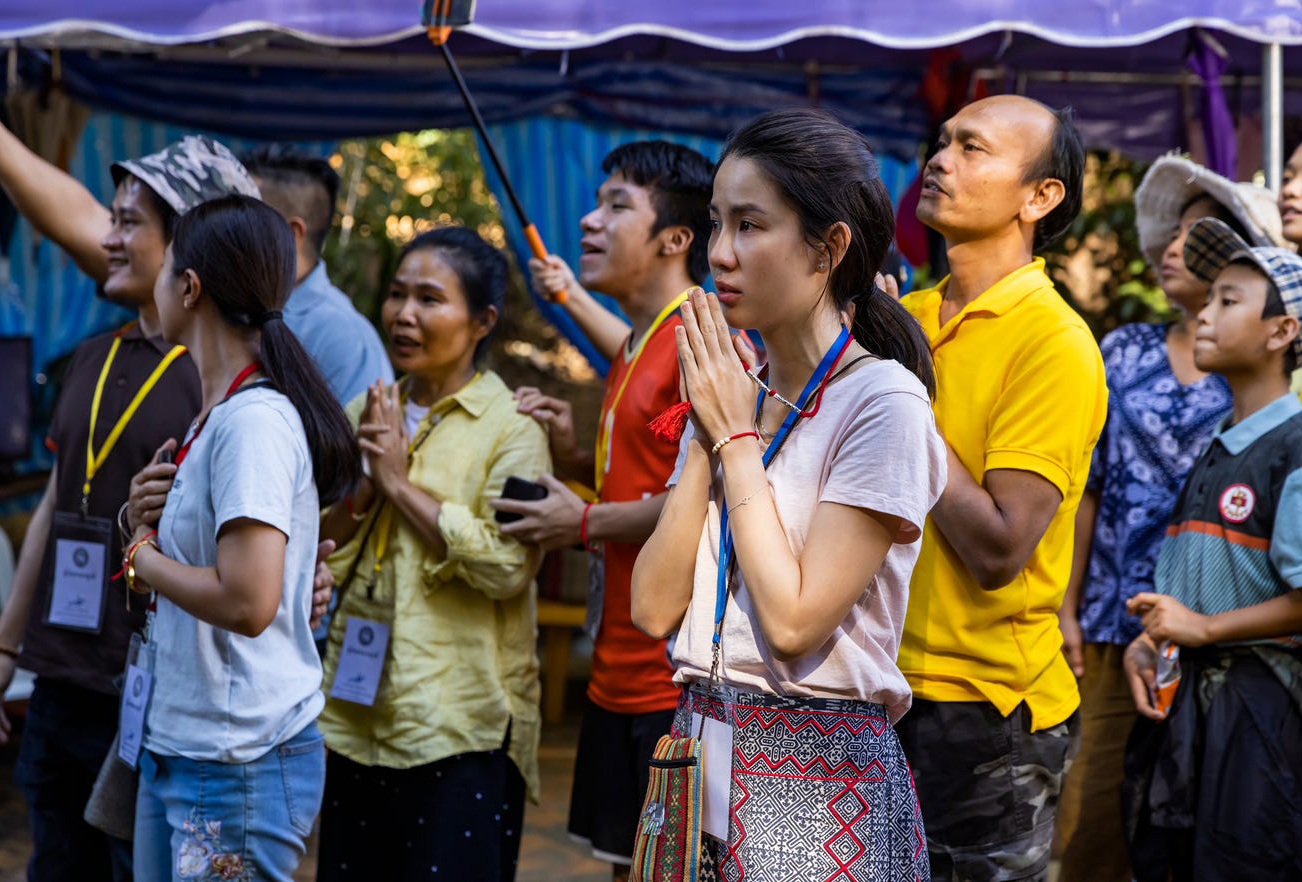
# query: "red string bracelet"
[130,553]
[583,528]
[724,442]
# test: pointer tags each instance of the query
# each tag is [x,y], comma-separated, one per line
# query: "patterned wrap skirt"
[820,791]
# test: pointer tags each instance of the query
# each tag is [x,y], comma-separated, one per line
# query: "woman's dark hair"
[481,269]
[243,253]
[827,174]
[1220,211]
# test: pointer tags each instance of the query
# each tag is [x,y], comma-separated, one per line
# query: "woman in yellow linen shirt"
[431,673]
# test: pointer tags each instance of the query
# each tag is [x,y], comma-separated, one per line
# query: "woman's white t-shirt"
[218,695]
[873,445]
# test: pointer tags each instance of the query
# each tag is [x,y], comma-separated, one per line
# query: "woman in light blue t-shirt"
[232,767]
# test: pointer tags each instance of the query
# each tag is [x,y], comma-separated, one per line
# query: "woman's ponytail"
[336,459]
[885,328]
[243,252]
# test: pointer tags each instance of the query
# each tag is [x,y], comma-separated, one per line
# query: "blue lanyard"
[725,535]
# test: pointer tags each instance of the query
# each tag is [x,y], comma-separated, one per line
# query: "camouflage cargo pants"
[988,787]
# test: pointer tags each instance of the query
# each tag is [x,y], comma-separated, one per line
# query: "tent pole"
[1272,113]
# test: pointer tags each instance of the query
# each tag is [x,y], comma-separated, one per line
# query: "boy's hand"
[554,415]
[1073,644]
[1140,665]
[7,665]
[552,275]
[1166,618]
[551,522]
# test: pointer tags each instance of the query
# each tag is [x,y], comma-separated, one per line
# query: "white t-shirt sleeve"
[889,459]
[682,455]
[257,460]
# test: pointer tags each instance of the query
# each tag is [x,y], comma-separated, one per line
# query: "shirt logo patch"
[1237,502]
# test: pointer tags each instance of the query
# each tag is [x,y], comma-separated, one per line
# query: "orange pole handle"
[540,251]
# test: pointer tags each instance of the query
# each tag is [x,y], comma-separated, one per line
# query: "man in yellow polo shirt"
[1021,401]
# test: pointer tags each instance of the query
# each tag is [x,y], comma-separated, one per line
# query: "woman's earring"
[822,265]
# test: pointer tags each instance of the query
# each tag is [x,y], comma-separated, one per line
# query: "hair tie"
[269,315]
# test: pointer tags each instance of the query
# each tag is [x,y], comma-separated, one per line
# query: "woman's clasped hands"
[712,364]
[382,436]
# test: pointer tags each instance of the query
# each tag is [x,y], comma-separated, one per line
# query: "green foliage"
[1098,265]
[393,188]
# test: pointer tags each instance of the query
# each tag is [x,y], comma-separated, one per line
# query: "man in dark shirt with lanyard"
[124,394]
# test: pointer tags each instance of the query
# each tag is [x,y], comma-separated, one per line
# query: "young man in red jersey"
[644,244]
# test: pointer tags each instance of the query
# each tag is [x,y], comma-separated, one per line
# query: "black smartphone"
[519,488]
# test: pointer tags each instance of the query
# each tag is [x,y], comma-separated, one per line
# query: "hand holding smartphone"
[519,488]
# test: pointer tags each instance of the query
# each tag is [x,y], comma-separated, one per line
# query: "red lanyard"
[235,384]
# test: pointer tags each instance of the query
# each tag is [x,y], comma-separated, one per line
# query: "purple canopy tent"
[732,25]
[1123,51]
[327,69]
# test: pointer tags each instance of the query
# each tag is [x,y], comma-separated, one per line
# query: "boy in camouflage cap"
[1209,782]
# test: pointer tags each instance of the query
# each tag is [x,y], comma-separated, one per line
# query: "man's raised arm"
[56,204]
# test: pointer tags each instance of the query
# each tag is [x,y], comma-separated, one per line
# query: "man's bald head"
[1000,161]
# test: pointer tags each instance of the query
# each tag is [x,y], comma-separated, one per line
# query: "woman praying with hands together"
[783,555]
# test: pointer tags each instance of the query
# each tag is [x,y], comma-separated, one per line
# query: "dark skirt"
[820,790]
[457,818]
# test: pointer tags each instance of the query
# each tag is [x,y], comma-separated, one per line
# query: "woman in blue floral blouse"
[1162,411]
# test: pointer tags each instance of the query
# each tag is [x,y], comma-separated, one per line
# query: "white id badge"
[78,590]
[131,723]
[76,569]
[361,661]
[716,761]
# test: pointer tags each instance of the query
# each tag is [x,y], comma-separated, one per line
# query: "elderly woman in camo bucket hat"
[1162,411]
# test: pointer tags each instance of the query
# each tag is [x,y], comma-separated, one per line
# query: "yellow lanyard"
[95,461]
[608,413]
[384,518]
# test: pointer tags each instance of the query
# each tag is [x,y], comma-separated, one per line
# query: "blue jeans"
[209,820]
